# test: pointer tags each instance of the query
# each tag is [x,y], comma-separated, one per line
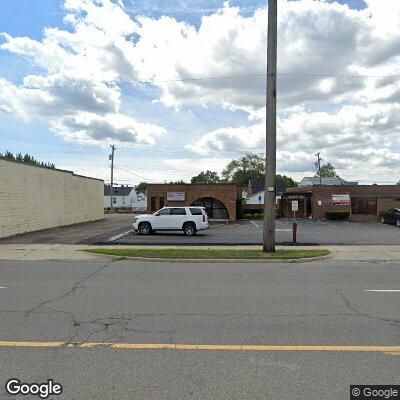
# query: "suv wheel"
[144,228]
[189,229]
[398,223]
[383,220]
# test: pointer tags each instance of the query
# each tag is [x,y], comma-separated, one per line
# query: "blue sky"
[180,129]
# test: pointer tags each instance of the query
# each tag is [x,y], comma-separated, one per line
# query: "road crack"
[78,285]
[355,310]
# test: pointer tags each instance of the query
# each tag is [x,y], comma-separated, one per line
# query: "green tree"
[289,182]
[28,159]
[8,156]
[206,177]
[241,170]
[327,171]
[141,187]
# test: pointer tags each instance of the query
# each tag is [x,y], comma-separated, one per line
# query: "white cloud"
[70,92]
[103,43]
[314,37]
[95,129]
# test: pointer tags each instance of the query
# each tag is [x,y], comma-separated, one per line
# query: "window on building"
[178,211]
[114,200]
[363,206]
[153,204]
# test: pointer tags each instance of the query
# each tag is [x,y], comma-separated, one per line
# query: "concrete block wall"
[33,198]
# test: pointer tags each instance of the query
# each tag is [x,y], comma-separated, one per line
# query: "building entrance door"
[215,208]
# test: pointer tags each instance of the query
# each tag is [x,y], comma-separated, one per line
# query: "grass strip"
[290,254]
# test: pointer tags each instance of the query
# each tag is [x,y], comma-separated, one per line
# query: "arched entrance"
[214,207]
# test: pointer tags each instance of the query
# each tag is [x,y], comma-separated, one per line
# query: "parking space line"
[3,287]
[255,224]
[383,290]
[114,238]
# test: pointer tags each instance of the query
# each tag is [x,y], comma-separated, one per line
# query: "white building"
[256,199]
[125,197]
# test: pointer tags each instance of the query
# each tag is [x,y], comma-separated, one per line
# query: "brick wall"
[387,196]
[33,198]
[225,193]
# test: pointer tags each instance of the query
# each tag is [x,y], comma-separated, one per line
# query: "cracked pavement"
[317,303]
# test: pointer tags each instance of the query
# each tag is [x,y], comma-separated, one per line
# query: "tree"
[206,177]
[181,182]
[141,187]
[241,170]
[27,159]
[327,171]
[289,182]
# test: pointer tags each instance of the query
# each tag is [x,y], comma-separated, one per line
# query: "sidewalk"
[24,252]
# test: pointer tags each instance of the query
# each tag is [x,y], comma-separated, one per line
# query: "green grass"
[232,254]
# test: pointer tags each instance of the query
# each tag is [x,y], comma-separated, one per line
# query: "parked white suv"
[186,219]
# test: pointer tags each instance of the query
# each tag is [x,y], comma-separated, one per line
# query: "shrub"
[337,215]
[256,215]
[247,216]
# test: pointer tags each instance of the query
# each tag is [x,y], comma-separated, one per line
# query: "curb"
[220,260]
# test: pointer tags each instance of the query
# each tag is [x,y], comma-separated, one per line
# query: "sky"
[179,86]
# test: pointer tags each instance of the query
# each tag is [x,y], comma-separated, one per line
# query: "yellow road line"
[32,344]
[394,350]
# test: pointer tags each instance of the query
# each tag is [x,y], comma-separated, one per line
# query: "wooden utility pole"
[112,178]
[270,162]
[319,168]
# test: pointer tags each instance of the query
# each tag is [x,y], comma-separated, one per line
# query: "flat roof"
[50,169]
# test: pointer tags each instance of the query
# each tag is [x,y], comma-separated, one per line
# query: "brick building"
[363,202]
[218,199]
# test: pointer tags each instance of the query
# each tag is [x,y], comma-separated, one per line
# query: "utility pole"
[111,157]
[270,162]
[318,163]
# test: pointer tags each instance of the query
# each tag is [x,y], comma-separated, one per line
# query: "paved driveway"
[250,232]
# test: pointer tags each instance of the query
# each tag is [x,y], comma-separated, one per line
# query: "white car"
[186,219]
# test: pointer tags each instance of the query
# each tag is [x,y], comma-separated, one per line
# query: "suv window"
[178,211]
[165,211]
[195,211]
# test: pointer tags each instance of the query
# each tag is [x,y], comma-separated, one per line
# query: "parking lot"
[250,232]
[117,229]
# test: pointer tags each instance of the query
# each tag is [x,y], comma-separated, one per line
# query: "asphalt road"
[250,232]
[312,303]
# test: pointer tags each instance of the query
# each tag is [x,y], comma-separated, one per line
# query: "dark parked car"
[391,217]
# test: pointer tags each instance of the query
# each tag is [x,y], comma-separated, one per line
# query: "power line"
[139,176]
[194,79]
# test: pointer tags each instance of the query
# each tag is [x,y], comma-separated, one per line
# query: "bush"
[247,216]
[256,215]
[337,215]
